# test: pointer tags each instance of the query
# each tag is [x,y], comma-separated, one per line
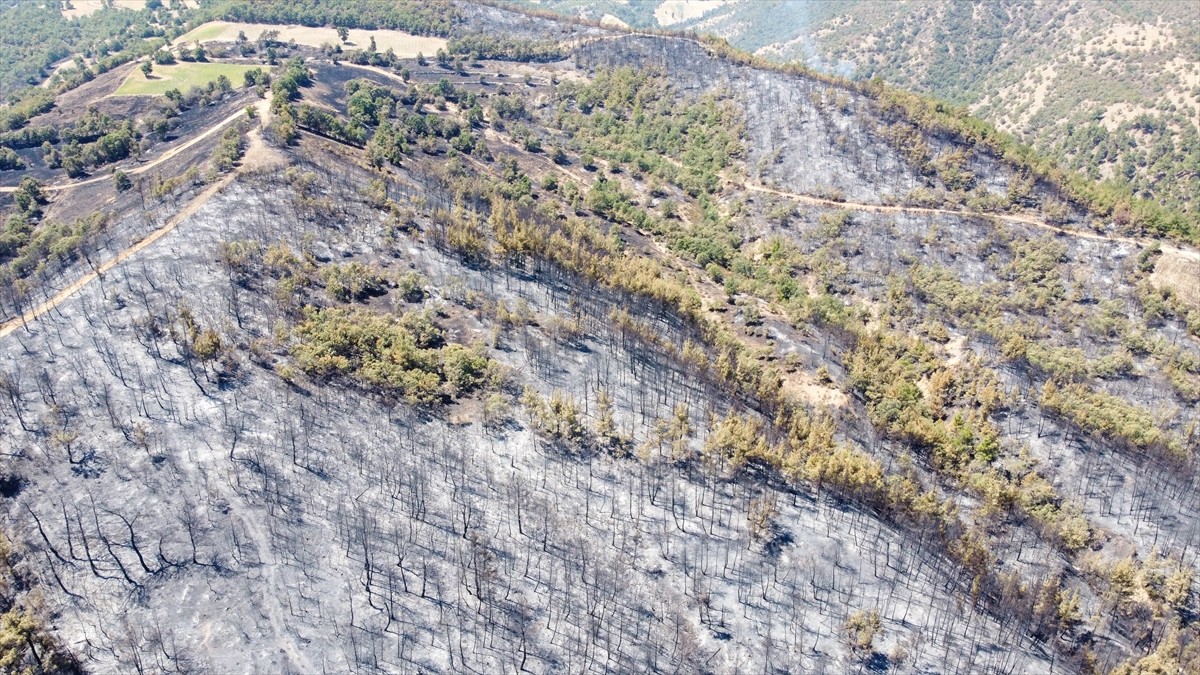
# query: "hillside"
[1110,88]
[578,351]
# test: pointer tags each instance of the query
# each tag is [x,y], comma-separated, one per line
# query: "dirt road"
[257,156]
[1188,254]
[191,207]
[166,156]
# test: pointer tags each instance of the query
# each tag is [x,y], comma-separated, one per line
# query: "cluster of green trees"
[29,137]
[284,91]
[400,127]
[10,160]
[94,140]
[369,104]
[352,281]
[1177,652]
[504,48]
[421,17]
[370,56]
[1142,591]
[1156,156]
[24,105]
[630,117]
[1036,274]
[944,413]
[407,356]
[40,35]
[557,418]
[29,247]
[1032,288]
[1113,418]
[195,340]
[229,149]
[934,409]
[248,260]
[321,121]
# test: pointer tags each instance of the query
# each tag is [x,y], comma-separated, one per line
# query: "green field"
[181,76]
[208,31]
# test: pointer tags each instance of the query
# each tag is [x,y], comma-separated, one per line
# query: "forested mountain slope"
[1110,88]
[583,351]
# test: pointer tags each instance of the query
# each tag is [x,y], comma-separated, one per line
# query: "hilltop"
[1112,89]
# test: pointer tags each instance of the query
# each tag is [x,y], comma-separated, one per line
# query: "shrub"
[351,281]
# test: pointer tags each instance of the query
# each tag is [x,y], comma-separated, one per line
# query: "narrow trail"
[166,156]
[1190,254]
[253,158]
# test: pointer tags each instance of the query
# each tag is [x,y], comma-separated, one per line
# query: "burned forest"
[509,343]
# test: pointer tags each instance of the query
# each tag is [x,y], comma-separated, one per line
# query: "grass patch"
[205,32]
[181,76]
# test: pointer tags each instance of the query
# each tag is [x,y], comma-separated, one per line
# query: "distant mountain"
[1109,88]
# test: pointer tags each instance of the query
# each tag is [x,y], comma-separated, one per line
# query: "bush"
[860,630]
[351,281]
[10,160]
[411,287]
[121,181]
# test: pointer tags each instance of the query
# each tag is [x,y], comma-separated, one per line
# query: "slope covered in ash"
[640,359]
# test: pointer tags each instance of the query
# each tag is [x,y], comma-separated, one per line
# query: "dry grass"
[403,44]
[87,7]
[807,389]
[611,20]
[1180,273]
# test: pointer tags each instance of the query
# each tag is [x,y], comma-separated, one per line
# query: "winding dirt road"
[191,208]
[133,171]
[1170,249]
[256,157]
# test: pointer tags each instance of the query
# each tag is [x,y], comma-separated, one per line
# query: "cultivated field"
[180,76]
[405,45]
